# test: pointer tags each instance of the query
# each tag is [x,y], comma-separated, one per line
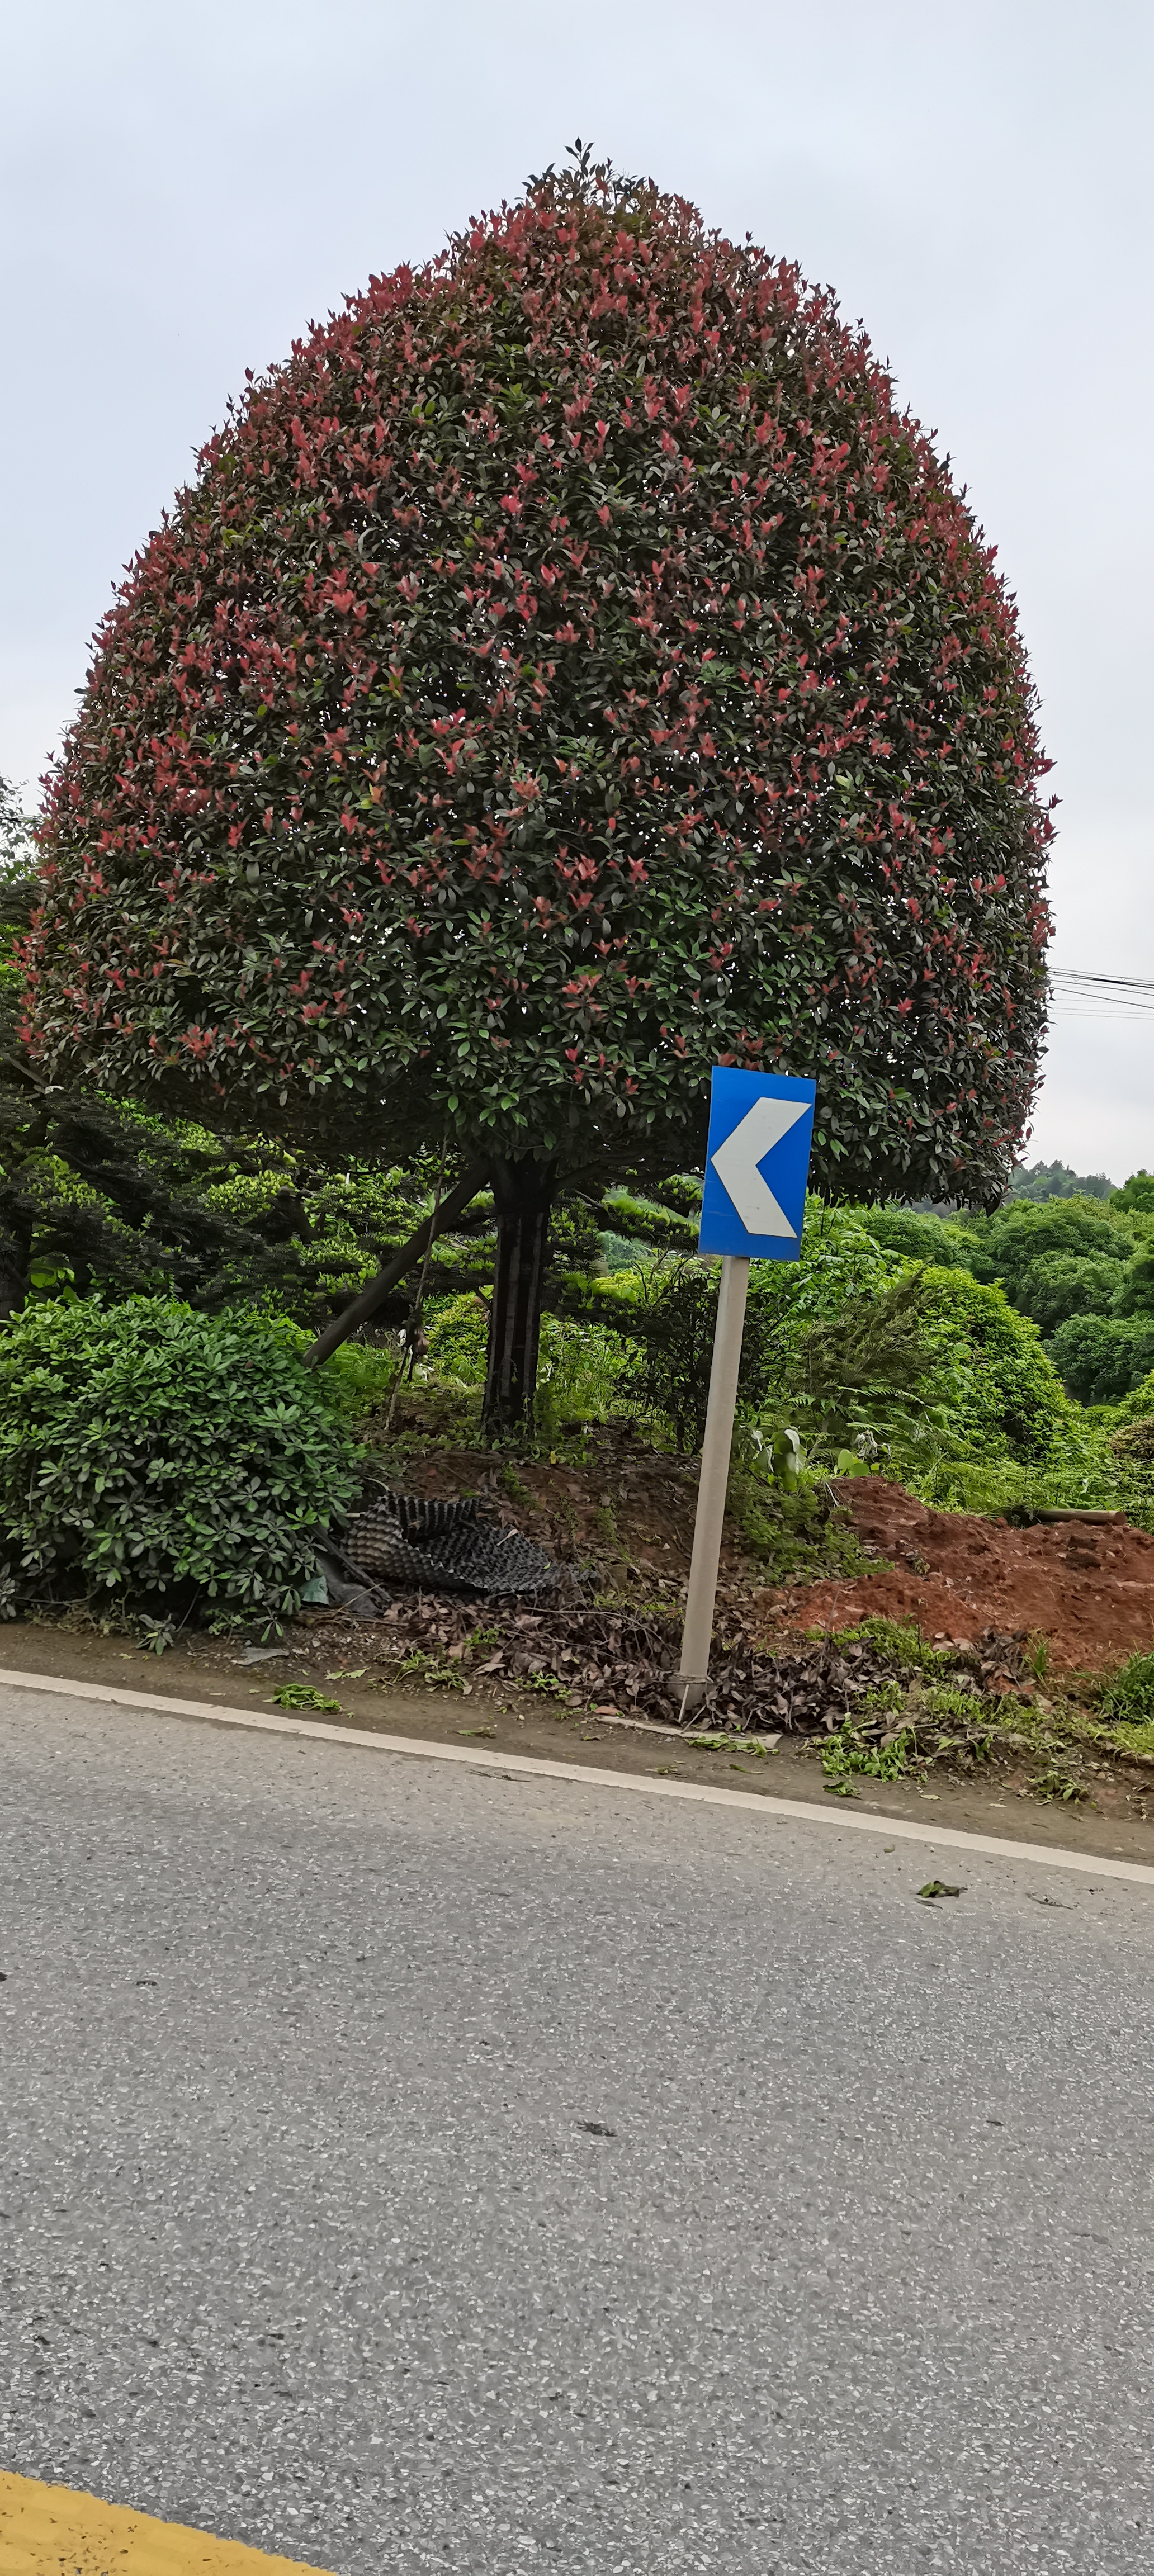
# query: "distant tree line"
[1057,1181]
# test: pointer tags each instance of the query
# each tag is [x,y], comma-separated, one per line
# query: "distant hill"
[1057,1181]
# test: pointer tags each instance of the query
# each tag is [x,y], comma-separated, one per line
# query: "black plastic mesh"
[441,1547]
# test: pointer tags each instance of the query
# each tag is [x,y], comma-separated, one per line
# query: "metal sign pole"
[713,1482]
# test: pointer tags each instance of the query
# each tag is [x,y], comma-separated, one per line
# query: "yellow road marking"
[52,2531]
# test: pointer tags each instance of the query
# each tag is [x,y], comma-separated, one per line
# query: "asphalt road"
[408,2167]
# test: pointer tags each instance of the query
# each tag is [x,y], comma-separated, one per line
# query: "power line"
[1081,996]
[1116,983]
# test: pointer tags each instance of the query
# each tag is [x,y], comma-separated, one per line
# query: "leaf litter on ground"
[616,1660]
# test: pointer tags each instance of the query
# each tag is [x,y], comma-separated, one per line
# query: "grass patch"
[1127,1696]
[1056,1783]
[948,1706]
[434,1672]
[1131,1737]
[846,1755]
[898,1639]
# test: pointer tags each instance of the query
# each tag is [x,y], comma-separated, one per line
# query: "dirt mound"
[627,1511]
[1088,1588]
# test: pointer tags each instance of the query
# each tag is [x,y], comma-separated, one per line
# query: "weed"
[433,1670]
[949,1706]
[157,1634]
[900,1640]
[1126,1738]
[1056,1784]
[1038,1655]
[887,1700]
[548,1686]
[845,1753]
[1125,1699]
[480,1637]
[299,1695]
[518,1493]
[789,1531]
[1128,1694]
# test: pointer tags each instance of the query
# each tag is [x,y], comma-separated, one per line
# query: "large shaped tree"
[567,671]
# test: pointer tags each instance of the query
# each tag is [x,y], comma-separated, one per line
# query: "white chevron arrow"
[736,1162]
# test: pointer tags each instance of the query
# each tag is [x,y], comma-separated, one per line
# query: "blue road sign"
[756,1164]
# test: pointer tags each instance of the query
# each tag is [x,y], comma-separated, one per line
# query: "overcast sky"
[184,189]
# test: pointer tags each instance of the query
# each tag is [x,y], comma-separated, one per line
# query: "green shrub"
[673,1327]
[868,1377]
[1135,1294]
[1136,1196]
[917,1236]
[1081,1228]
[1062,1284]
[1014,1439]
[1102,1357]
[833,1344]
[1132,1447]
[642,1220]
[1138,1406]
[456,1336]
[154,1456]
[623,1252]
[1009,1403]
[579,1374]
[578,1369]
[359,1377]
[574,1239]
[840,1261]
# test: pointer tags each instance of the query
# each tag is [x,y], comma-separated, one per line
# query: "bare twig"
[410,1359]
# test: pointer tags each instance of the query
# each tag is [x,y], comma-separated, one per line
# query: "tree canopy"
[1024,1234]
[1041,1181]
[568,670]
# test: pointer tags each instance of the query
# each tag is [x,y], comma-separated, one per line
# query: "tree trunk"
[13,1282]
[15,1263]
[523,1192]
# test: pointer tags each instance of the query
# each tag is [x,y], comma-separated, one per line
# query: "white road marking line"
[896,1828]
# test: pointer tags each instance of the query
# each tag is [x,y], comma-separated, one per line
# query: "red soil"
[1088,1588]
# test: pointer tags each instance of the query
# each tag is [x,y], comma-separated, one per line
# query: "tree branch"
[338,1330]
